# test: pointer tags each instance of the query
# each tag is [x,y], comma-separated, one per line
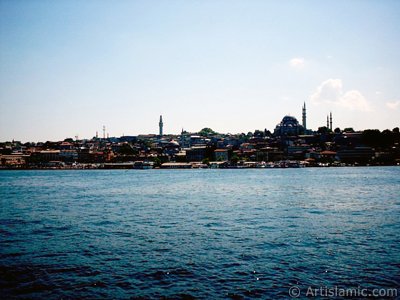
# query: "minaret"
[304,117]
[182,138]
[327,121]
[104,132]
[330,120]
[161,124]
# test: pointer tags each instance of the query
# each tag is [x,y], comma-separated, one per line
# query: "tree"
[127,149]
[323,130]
[387,138]
[206,132]
[259,134]
[348,130]
[206,161]
[337,130]
[234,159]
[157,162]
[243,138]
[267,133]
[377,139]
[372,137]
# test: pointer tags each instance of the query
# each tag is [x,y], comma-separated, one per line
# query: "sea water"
[206,234]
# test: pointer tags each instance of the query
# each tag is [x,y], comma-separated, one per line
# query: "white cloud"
[328,91]
[331,92]
[297,62]
[354,100]
[393,104]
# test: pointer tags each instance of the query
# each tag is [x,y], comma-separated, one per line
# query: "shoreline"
[195,168]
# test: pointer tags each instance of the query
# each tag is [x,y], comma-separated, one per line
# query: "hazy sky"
[69,67]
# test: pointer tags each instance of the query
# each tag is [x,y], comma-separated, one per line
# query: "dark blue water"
[206,234]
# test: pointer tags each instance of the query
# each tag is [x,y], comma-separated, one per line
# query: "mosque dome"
[173,143]
[289,121]
[288,126]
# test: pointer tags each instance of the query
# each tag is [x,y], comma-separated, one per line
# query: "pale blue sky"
[70,67]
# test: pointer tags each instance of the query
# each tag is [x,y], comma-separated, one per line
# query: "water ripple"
[204,234]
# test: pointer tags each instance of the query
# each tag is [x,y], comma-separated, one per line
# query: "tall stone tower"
[304,117]
[160,125]
[330,121]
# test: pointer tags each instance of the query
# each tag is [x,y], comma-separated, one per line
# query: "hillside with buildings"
[291,144]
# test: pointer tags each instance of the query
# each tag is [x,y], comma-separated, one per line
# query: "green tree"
[206,132]
[127,149]
[323,130]
[259,133]
[157,162]
[243,138]
[206,161]
[387,138]
[372,137]
[234,159]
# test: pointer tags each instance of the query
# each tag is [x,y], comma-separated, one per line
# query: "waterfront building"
[49,155]
[218,164]
[196,153]
[221,154]
[13,160]
[176,165]
[68,155]
[356,155]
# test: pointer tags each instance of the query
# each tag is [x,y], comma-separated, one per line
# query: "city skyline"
[68,68]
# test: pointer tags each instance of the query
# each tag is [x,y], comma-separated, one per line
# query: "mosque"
[289,126]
